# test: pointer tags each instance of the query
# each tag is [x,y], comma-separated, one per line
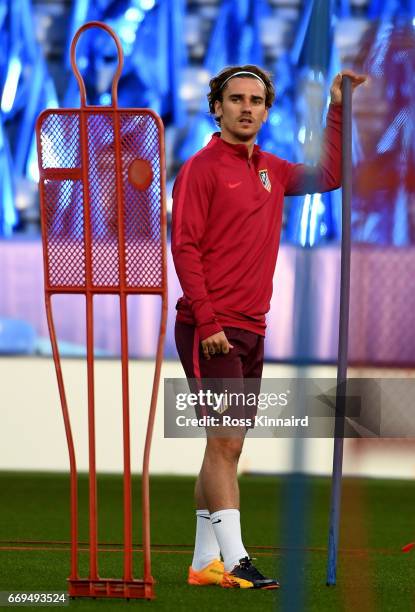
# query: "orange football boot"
[212,574]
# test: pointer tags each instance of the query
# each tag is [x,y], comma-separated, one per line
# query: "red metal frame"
[84,155]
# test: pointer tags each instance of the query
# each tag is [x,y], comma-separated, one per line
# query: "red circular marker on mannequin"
[140,174]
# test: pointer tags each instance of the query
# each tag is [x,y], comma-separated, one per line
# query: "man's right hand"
[218,343]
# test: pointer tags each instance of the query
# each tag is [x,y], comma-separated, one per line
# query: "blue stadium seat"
[17,337]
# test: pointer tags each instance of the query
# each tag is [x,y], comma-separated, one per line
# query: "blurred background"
[171,50]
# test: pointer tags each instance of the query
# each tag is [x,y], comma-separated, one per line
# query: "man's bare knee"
[227,448]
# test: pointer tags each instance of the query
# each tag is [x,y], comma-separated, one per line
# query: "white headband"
[235,74]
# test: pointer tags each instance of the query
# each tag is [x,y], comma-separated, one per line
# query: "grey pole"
[343,330]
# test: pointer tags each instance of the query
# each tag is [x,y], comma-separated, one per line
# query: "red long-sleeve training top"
[226,225]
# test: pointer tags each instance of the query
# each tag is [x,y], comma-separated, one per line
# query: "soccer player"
[227,215]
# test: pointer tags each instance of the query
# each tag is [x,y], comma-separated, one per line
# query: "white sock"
[206,545]
[227,526]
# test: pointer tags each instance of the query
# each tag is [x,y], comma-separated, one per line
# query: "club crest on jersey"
[263,175]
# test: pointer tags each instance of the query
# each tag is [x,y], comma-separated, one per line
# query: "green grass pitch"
[373,574]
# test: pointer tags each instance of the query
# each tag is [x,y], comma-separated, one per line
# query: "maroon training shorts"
[243,363]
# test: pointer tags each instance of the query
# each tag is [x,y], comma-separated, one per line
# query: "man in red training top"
[227,214]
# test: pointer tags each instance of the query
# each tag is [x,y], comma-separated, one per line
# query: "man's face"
[242,110]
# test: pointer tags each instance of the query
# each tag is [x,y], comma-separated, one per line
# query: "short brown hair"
[216,85]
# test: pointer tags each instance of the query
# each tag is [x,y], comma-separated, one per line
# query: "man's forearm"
[326,175]
[189,270]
